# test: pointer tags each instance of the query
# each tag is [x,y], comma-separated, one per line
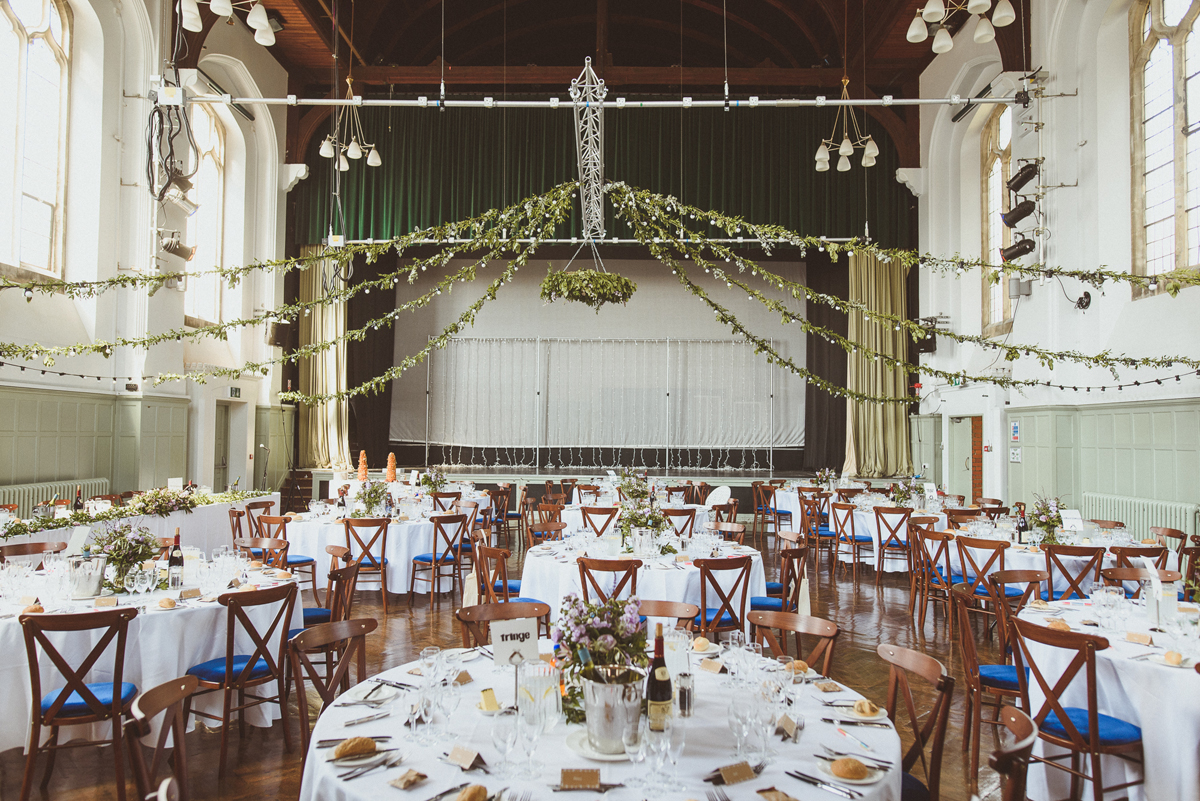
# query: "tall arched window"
[995,164]
[1165,91]
[202,301]
[34,60]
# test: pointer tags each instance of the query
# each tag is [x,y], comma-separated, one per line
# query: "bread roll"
[865,707]
[1173,658]
[1058,624]
[476,792]
[33,609]
[354,746]
[799,667]
[256,564]
[283,574]
[247,588]
[701,644]
[849,768]
[167,603]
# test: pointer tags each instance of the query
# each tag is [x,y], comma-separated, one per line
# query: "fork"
[720,794]
[856,755]
[527,796]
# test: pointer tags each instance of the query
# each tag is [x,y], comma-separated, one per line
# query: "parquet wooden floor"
[262,770]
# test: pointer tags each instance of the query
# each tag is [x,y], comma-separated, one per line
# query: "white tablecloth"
[161,645]
[573,517]
[1021,557]
[551,576]
[709,745]
[1161,700]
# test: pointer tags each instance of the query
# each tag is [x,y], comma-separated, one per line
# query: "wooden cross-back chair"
[31,549]
[235,674]
[549,512]
[366,540]
[1108,524]
[1075,581]
[501,501]
[700,492]
[818,537]
[846,494]
[959,519]
[349,638]
[784,595]
[1011,761]
[932,734]
[684,613]
[271,552]
[893,538]
[466,547]
[444,501]
[954,501]
[847,541]
[989,501]
[491,575]
[235,523]
[623,571]
[974,575]
[1100,735]
[528,511]
[681,492]
[682,521]
[730,613]
[271,527]
[11,508]
[770,513]
[443,555]
[476,620]
[729,531]
[724,512]
[166,699]
[762,629]
[599,518]
[1173,538]
[77,702]
[1132,556]
[993,512]
[544,532]
[1008,604]
[1118,576]
[936,576]
[1189,559]
[253,510]
[566,486]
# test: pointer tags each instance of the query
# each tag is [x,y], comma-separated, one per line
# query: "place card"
[787,725]
[407,779]
[712,666]
[681,557]
[235,583]
[463,678]
[579,779]
[192,592]
[547,658]
[1140,637]
[771,794]
[102,602]
[415,671]
[28,600]
[828,686]
[462,757]
[737,773]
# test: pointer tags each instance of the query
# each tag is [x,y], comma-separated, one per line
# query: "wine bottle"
[658,686]
[587,668]
[1022,523]
[175,565]
[78,505]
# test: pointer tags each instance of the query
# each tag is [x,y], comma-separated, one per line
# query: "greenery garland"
[589,287]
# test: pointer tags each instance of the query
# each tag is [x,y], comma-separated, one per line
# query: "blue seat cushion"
[710,615]
[428,557]
[861,538]
[213,670]
[955,578]
[1113,731]
[781,512]
[525,600]
[774,588]
[297,559]
[1003,677]
[316,614]
[76,706]
[912,789]
[466,546]
[761,604]
[513,515]
[366,564]
[823,531]
[514,585]
[1058,595]
[293,632]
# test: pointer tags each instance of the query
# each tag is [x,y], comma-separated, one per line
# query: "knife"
[397,684]
[445,793]
[836,789]
[366,719]
[867,723]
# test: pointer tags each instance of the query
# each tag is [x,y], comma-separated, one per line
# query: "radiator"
[26,496]
[1140,514]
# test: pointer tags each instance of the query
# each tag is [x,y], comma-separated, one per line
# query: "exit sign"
[235,392]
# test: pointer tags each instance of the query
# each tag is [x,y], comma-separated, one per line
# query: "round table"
[1161,700]
[551,575]
[708,746]
[573,517]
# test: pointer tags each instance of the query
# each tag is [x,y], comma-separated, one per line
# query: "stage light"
[173,245]
[1018,249]
[1022,176]
[1017,213]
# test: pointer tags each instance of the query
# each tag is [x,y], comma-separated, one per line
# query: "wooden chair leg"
[412,583]
[283,714]
[241,712]
[227,694]
[31,760]
[51,756]
[383,585]
[118,745]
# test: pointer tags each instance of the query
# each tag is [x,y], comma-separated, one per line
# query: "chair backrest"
[1189,560]
[1083,659]
[443,501]
[841,518]
[110,624]
[845,494]
[549,512]
[475,620]
[683,613]
[9,507]
[810,519]
[934,551]
[271,527]
[237,619]
[933,733]
[681,492]
[700,491]
[955,500]
[491,571]
[1173,538]
[893,526]
[1126,555]
[254,509]
[449,532]
[501,500]
[235,523]
[1117,576]
[338,554]
[273,551]
[114,499]
[961,602]
[731,601]
[793,568]
[543,532]
[1054,559]
[528,508]
[167,699]
[993,512]
[599,518]
[762,625]
[350,639]
[1012,760]
[989,501]
[1009,606]
[729,531]
[30,549]
[724,512]
[625,573]
[339,594]
[973,572]
[719,495]
[361,535]
[1108,523]
[681,520]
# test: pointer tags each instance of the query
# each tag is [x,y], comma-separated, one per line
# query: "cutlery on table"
[362,702]
[717,794]
[836,789]
[390,762]
[853,739]
[834,751]
[868,723]
[338,740]
[357,769]
[399,685]
[367,719]
[445,793]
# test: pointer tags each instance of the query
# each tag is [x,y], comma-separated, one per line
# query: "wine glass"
[429,662]
[504,737]
[530,721]
[678,738]
[633,738]
[447,702]
[739,722]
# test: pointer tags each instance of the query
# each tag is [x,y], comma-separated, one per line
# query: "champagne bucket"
[87,575]
[609,708]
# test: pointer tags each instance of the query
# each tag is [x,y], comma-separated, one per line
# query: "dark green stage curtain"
[370,413]
[758,164]
[825,415]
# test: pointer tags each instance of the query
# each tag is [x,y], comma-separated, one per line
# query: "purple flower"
[606,642]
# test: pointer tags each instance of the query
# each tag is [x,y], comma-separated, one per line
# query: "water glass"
[504,737]
[530,722]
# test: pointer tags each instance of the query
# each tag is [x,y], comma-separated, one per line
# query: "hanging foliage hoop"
[592,288]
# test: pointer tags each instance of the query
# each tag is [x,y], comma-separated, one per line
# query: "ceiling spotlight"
[179,199]
[343,163]
[942,41]
[354,151]
[1022,176]
[1017,213]
[327,150]
[984,32]
[173,245]
[918,31]
[373,159]
[1018,249]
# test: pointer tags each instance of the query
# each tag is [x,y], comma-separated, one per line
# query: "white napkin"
[470,589]
[804,603]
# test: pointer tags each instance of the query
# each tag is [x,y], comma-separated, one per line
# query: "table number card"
[580,779]
[412,479]
[1072,519]
[175,484]
[192,592]
[517,638]
[787,726]
[734,774]
[79,536]
[711,665]
[108,601]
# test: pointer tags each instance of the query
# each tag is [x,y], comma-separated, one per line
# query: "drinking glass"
[678,739]
[764,719]
[429,663]
[529,730]
[447,702]
[504,737]
[740,720]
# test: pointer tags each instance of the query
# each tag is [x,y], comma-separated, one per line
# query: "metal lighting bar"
[629,240]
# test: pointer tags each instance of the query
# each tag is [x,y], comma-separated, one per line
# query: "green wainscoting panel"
[48,435]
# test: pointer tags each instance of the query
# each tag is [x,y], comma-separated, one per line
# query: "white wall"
[1083,47]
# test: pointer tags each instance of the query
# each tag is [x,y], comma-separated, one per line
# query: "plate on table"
[873,774]
[577,741]
[713,648]
[359,691]
[466,654]
[879,714]
[355,762]
[1161,659]
[541,549]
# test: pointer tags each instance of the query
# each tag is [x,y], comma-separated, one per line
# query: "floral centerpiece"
[433,481]
[373,496]
[901,494]
[637,506]
[126,546]
[161,502]
[613,634]
[1047,515]
[826,476]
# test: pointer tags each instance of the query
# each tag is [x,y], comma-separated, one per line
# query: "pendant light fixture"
[256,18]
[852,138]
[348,142]
[932,18]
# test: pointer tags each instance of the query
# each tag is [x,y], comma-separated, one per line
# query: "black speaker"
[276,334]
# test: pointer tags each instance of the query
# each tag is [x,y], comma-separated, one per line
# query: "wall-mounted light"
[1022,247]
[181,200]
[1022,176]
[1017,213]
[171,243]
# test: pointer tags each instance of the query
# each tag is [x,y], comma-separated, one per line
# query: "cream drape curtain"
[325,428]
[877,439]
